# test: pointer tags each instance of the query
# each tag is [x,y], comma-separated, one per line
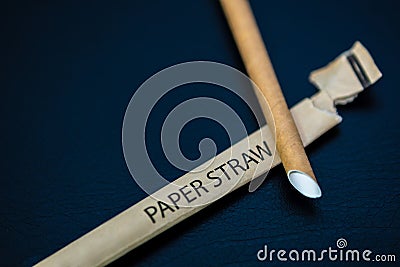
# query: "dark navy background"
[69,69]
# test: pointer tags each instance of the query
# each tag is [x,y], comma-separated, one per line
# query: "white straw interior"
[304,184]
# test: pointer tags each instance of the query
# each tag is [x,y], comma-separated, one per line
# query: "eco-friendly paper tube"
[258,65]
[339,83]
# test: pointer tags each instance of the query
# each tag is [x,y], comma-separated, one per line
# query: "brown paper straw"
[314,116]
[258,65]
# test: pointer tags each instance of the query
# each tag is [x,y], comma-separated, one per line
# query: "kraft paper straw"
[339,83]
[258,65]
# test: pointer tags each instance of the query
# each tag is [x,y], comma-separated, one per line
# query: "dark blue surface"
[69,69]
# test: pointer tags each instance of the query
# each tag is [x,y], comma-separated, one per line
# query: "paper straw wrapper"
[339,83]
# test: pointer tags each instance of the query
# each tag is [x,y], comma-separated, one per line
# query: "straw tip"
[304,184]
